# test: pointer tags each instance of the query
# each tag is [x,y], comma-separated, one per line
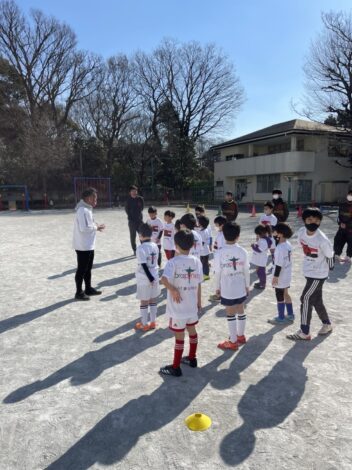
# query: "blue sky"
[267,40]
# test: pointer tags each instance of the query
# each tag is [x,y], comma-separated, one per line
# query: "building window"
[279,148]
[300,145]
[229,157]
[266,183]
[219,184]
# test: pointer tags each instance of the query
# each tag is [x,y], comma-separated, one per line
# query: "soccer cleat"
[206,277]
[241,340]
[82,296]
[325,329]
[92,291]
[299,336]
[140,326]
[276,321]
[257,285]
[337,258]
[170,370]
[190,362]
[152,325]
[270,270]
[214,298]
[290,318]
[228,345]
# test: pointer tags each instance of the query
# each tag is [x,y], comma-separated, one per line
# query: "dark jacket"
[229,210]
[134,207]
[280,210]
[345,214]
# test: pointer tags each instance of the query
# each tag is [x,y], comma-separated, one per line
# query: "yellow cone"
[188,208]
[198,422]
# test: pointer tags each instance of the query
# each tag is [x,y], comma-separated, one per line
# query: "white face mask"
[276,196]
[349,198]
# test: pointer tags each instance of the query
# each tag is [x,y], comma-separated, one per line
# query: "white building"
[299,157]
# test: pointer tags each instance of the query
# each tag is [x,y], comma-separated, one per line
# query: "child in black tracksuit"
[280,210]
[344,232]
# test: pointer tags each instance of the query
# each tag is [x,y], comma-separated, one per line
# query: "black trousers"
[84,269]
[312,296]
[205,263]
[342,237]
[133,225]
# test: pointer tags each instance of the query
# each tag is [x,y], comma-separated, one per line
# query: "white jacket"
[84,229]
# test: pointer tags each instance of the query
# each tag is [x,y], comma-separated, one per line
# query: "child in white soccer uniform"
[219,244]
[168,234]
[260,253]
[232,277]
[182,278]
[282,274]
[189,221]
[147,277]
[268,218]
[318,259]
[205,234]
[157,229]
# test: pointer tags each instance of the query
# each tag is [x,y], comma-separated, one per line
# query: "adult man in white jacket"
[84,235]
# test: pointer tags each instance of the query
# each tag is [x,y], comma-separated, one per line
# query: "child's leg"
[349,244]
[261,275]
[153,310]
[318,304]
[339,241]
[288,303]
[205,264]
[193,341]
[241,321]
[280,298]
[307,303]
[144,312]
[159,256]
[272,256]
[179,346]
[231,323]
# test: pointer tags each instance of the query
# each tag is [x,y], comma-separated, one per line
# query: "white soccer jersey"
[283,258]
[219,241]
[317,251]
[205,235]
[268,220]
[260,251]
[147,253]
[169,233]
[185,273]
[197,246]
[157,226]
[232,271]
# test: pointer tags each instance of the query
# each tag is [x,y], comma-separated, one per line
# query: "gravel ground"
[79,388]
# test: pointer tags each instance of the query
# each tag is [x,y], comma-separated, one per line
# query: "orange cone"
[254,213]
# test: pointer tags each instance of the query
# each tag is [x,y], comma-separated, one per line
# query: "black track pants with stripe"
[312,296]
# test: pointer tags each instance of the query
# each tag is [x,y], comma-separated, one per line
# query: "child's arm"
[328,251]
[246,274]
[199,300]
[173,290]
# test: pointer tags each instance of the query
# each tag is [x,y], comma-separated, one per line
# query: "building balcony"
[287,162]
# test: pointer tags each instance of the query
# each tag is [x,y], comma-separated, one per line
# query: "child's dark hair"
[312,212]
[88,192]
[220,220]
[260,230]
[349,191]
[184,239]
[189,221]
[269,204]
[268,230]
[284,229]
[229,193]
[133,188]
[178,225]
[169,214]
[152,210]
[145,230]
[203,221]
[276,191]
[199,209]
[231,231]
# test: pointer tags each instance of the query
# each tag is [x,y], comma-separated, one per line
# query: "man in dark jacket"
[229,208]
[280,210]
[134,210]
[344,233]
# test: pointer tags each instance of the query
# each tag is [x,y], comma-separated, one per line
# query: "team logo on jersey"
[189,272]
[167,233]
[153,255]
[234,261]
[309,251]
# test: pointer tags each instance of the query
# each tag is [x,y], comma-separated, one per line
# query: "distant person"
[84,235]
[157,229]
[280,206]
[229,207]
[134,210]
[344,233]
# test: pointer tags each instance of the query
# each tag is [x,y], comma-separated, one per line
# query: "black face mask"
[312,227]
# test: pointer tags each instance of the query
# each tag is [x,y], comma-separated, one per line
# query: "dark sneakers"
[170,370]
[82,296]
[257,285]
[189,362]
[92,291]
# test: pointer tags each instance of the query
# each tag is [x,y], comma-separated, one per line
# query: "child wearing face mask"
[318,259]
[344,232]
[280,207]
[268,218]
